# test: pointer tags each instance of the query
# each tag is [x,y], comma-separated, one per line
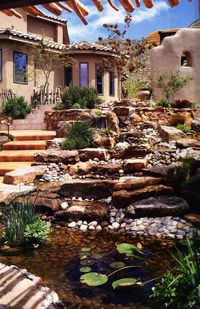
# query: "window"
[186,60]
[83,69]
[111,84]
[0,65]
[20,67]
[68,76]
[99,79]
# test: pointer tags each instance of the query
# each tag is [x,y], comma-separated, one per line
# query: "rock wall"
[164,116]
[168,58]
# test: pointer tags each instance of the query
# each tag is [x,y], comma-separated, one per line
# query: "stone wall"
[169,57]
[162,115]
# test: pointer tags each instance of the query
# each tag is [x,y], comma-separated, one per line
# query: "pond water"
[59,261]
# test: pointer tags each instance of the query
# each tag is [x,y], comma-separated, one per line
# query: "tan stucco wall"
[43,28]
[93,59]
[167,58]
[19,24]
[56,78]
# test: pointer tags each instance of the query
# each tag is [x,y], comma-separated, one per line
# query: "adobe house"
[17,72]
[179,52]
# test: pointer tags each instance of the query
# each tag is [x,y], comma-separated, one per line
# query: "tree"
[125,52]
[48,59]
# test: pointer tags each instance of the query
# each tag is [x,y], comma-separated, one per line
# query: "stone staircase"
[33,121]
[20,152]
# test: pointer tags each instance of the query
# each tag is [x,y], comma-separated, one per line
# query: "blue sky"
[144,21]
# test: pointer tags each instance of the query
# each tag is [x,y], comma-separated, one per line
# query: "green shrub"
[59,107]
[182,127]
[22,225]
[37,232]
[16,107]
[80,136]
[130,88]
[76,106]
[85,97]
[164,103]
[180,287]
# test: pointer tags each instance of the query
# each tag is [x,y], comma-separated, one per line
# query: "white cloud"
[77,31]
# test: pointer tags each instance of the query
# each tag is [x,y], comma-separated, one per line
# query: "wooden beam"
[11,4]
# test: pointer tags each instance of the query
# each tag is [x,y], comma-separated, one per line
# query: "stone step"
[28,126]
[91,189]
[6,167]
[123,198]
[27,135]
[25,145]
[17,155]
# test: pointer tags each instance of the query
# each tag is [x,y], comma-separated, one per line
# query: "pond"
[59,263]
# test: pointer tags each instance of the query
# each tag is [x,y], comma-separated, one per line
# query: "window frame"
[87,74]
[110,72]
[1,65]
[71,66]
[102,93]
[14,77]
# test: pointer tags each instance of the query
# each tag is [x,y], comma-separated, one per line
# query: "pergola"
[56,6]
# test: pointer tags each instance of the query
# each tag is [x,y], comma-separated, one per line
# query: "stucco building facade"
[178,53]
[18,72]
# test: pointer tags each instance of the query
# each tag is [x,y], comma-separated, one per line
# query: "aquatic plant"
[92,278]
[22,225]
[180,287]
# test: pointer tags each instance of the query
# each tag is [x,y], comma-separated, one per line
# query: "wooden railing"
[47,98]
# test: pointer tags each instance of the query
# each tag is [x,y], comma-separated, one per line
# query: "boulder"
[195,125]
[134,165]
[143,95]
[169,134]
[121,111]
[9,192]
[187,142]
[91,153]
[131,151]
[123,198]
[45,200]
[79,168]
[103,141]
[193,218]
[106,168]
[122,146]
[113,125]
[159,206]
[132,183]
[24,175]
[95,189]
[161,170]
[56,156]
[85,211]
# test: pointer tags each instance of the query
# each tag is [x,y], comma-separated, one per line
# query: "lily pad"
[85,249]
[117,264]
[96,256]
[93,279]
[125,282]
[85,269]
[127,249]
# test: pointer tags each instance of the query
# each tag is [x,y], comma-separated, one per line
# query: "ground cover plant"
[16,108]
[179,288]
[22,226]
[78,97]
[80,136]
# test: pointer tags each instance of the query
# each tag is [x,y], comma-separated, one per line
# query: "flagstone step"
[25,145]
[27,135]
[17,155]
[6,167]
